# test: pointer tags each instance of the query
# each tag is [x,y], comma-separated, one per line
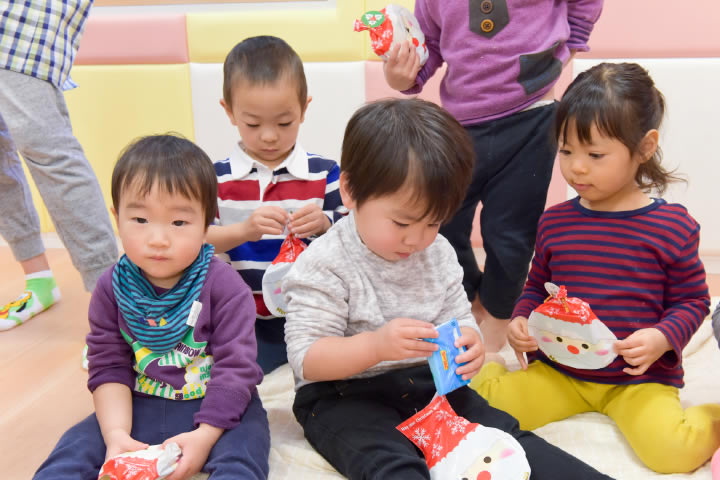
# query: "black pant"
[514,158]
[271,347]
[352,424]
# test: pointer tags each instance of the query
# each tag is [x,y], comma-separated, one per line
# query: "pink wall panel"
[133,39]
[656,28]
[375,86]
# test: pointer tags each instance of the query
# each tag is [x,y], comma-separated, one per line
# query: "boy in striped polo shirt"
[269,186]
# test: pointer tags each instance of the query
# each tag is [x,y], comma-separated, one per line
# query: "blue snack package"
[442,362]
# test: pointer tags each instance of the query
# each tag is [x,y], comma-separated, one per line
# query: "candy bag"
[391,26]
[153,463]
[456,448]
[568,332]
[442,361]
[272,279]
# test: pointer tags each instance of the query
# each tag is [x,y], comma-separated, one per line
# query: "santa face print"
[457,449]
[489,464]
[413,34]
[569,333]
[574,352]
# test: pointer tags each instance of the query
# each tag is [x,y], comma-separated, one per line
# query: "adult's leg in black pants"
[547,462]
[513,200]
[459,228]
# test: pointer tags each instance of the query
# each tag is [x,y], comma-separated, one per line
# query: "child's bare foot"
[494,330]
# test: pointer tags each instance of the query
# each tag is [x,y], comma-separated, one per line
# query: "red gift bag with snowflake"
[456,448]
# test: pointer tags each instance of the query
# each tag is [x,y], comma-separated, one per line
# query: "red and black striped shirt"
[637,269]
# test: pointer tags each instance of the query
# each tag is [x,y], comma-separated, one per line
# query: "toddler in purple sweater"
[503,59]
[171,347]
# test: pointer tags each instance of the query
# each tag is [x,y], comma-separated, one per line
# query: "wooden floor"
[41,363]
[42,368]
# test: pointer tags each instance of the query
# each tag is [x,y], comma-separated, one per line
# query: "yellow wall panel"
[117,103]
[318,35]
[378,4]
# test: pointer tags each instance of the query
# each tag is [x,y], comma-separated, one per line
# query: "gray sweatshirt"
[339,288]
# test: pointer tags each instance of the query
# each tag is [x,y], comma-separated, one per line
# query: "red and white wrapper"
[568,332]
[456,448]
[391,26]
[273,296]
[153,463]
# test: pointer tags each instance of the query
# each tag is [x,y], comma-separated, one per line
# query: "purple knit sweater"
[215,361]
[500,72]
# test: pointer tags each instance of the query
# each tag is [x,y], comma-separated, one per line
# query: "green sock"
[40,293]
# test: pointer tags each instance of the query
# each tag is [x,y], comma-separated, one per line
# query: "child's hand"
[641,348]
[402,66]
[265,220]
[400,339]
[195,446]
[520,340]
[474,354]
[309,220]
[119,441]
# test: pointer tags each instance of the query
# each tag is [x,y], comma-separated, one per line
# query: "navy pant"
[239,453]
[352,424]
[271,346]
[514,158]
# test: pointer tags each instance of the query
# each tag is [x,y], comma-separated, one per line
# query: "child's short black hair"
[622,102]
[396,142]
[263,60]
[172,162]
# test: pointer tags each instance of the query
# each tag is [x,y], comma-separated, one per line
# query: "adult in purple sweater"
[171,347]
[503,58]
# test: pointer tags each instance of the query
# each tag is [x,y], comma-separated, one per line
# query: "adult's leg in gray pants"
[34,120]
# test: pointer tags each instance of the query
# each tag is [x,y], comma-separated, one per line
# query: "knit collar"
[159,320]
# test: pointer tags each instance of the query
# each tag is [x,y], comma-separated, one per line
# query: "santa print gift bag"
[455,448]
[568,332]
[153,463]
[390,26]
[273,276]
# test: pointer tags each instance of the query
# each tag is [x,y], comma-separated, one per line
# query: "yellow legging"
[666,437]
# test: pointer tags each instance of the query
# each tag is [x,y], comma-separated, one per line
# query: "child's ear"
[228,111]
[115,214]
[304,109]
[648,145]
[347,199]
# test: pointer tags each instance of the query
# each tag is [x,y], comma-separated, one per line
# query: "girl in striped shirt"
[634,259]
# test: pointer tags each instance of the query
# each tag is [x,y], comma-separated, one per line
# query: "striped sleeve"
[332,205]
[637,269]
[534,291]
[222,168]
[687,300]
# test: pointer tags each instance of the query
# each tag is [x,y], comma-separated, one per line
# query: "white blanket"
[593,437]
